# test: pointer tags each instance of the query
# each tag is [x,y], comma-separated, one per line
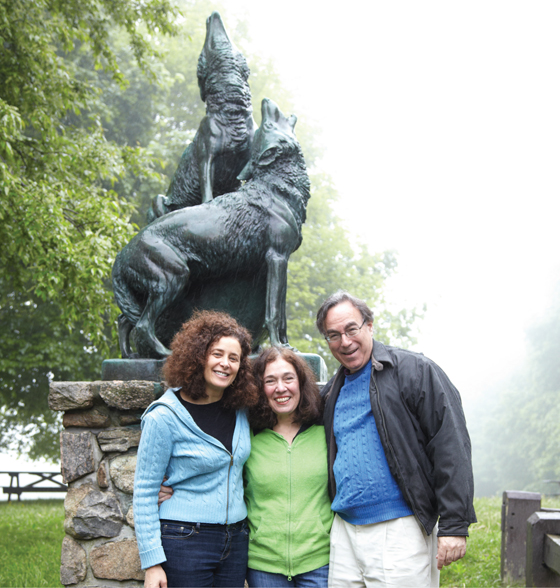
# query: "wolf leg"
[124,329]
[209,144]
[276,285]
[167,279]
[157,302]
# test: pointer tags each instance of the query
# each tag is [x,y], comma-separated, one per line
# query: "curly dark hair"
[310,408]
[190,347]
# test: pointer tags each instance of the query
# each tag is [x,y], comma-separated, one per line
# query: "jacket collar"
[381,354]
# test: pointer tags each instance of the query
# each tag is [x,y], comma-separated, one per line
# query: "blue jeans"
[313,579]
[201,554]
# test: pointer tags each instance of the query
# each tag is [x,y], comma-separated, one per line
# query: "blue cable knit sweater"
[366,491]
[207,480]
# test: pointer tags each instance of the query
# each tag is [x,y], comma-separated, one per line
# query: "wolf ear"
[246,173]
[292,121]
[201,75]
[268,156]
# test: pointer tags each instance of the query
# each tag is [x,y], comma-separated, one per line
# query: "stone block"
[135,394]
[102,478]
[70,395]
[78,455]
[122,470]
[90,513]
[117,560]
[91,419]
[132,369]
[130,517]
[119,439]
[130,419]
[72,562]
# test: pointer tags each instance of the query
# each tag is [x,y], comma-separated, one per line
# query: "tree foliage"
[60,223]
[97,104]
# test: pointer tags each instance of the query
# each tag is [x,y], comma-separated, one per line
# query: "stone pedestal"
[98,459]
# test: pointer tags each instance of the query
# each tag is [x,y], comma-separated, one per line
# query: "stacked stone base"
[98,458]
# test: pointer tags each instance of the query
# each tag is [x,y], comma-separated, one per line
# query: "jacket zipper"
[228,472]
[410,501]
[227,495]
[289,513]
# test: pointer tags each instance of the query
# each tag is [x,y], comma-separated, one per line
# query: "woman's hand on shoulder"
[155,578]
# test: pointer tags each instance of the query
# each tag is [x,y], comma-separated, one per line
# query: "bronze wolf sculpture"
[229,254]
[221,147]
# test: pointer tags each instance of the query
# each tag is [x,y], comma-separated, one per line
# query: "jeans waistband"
[237,525]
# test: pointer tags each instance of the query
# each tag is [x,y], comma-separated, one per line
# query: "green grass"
[481,565]
[31,534]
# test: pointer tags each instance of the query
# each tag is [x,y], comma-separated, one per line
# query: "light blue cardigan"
[207,480]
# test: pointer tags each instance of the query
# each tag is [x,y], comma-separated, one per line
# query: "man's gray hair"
[334,300]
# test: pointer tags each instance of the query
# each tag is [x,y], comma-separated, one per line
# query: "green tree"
[61,224]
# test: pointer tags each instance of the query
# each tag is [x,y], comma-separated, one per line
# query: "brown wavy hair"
[190,347]
[309,411]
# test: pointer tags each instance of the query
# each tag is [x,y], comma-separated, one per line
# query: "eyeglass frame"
[329,338]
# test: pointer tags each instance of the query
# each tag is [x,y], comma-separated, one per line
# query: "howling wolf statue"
[221,147]
[229,254]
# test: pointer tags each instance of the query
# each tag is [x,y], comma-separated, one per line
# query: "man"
[399,457]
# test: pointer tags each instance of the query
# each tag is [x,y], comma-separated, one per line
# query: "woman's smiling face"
[281,386]
[222,363]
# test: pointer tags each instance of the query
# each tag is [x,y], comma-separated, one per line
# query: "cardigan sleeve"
[154,453]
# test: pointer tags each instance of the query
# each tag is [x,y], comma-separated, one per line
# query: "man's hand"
[155,578]
[165,493]
[450,549]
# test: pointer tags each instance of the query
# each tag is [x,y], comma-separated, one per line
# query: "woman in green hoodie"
[288,505]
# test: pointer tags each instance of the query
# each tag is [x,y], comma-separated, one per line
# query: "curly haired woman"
[197,436]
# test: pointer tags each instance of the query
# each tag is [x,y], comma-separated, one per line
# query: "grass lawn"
[31,534]
[481,564]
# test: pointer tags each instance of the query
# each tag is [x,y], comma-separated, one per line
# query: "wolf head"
[221,64]
[273,138]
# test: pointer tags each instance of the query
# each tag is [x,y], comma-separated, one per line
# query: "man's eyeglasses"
[351,332]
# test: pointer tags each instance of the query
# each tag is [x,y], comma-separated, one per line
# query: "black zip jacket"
[420,420]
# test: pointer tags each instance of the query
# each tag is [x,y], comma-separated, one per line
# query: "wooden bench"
[16,488]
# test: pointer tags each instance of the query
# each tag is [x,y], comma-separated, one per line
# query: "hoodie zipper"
[228,475]
[289,511]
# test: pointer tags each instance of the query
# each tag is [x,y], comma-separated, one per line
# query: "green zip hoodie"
[288,504]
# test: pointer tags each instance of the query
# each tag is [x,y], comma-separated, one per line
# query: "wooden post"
[542,549]
[517,507]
